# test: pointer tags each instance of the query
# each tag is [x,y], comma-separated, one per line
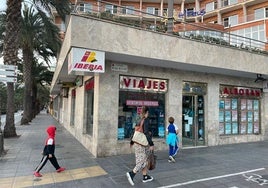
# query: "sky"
[3,5]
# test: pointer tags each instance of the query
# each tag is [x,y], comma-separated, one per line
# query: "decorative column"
[197,8]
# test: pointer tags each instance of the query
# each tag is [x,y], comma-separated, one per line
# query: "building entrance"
[193,128]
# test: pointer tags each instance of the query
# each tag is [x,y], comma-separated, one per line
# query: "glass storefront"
[193,117]
[239,110]
[134,93]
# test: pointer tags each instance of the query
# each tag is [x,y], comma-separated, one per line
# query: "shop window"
[89,91]
[73,107]
[239,110]
[130,104]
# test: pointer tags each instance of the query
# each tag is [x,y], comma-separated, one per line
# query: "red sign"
[89,84]
[140,83]
[240,91]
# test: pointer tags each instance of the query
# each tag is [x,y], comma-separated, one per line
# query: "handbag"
[151,161]
[139,137]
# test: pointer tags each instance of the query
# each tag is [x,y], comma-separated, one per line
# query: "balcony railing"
[154,23]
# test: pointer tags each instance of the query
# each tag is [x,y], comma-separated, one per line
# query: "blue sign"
[191,13]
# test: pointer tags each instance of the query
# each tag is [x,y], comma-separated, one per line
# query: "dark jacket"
[147,131]
[50,141]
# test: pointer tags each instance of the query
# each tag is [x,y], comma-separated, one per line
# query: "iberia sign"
[82,61]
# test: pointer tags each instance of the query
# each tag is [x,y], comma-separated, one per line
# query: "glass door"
[193,120]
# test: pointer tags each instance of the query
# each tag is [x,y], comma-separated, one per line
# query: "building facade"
[107,71]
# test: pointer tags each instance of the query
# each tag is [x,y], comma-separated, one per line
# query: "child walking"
[172,139]
[48,152]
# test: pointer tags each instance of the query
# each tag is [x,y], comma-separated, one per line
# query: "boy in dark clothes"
[48,152]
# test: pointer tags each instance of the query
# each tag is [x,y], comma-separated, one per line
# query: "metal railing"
[142,20]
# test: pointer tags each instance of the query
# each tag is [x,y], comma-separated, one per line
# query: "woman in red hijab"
[48,152]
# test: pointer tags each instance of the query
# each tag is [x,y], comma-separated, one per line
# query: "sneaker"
[172,159]
[130,176]
[37,174]
[60,169]
[147,178]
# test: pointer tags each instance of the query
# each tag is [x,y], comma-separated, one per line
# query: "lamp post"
[170,16]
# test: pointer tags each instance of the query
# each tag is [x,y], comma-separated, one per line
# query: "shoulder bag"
[139,137]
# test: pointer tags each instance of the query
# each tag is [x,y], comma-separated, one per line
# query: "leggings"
[45,158]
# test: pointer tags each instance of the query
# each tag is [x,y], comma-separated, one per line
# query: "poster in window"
[234,115]
[243,116]
[221,116]
[250,128]
[235,128]
[243,104]
[250,104]
[256,128]
[256,105]
[227,104]
[234,104]
[227,116]
[221,128]
[228,128]
[221,104]
[250,116]
[243,128]
[256,116]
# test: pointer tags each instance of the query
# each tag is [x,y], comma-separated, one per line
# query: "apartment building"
[106,71]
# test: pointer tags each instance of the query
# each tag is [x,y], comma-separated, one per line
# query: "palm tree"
[10,52]
[11,44]
[38,36]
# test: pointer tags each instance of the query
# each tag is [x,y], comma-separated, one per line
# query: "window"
[128,10]
[239,110]
[89,99]
[73,107]
[135,92]
[85,7]
[230,21]
[229,2]
[211,6]
[111,9]
[152,10]
[259,13]
[129,109]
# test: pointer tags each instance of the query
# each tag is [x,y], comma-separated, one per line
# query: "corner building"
[107,71]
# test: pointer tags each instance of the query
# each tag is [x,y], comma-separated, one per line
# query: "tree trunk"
[27,78]
[10,52]
[10,129]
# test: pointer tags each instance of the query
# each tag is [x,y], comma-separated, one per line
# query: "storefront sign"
[89,84]
[143,84]
[194,88]
[191,13]
[141,103]
[83,61]
[239,91]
